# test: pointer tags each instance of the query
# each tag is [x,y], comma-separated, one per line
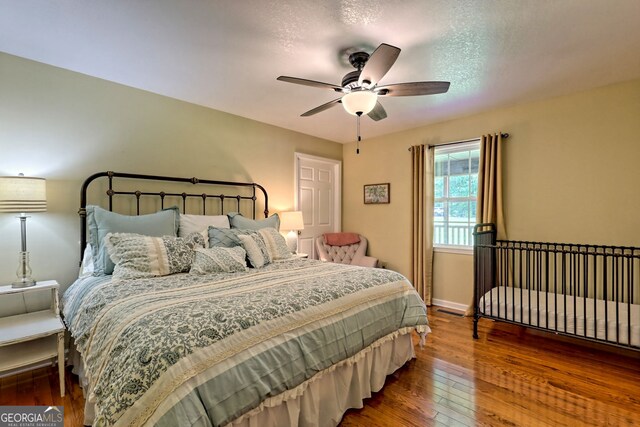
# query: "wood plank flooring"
[509,377]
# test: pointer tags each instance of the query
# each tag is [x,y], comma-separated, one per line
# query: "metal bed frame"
[559,273]
[232,195]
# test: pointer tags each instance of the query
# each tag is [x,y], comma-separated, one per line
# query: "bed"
[590,292]
[294,342]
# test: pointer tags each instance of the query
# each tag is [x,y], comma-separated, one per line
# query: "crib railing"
[589,291]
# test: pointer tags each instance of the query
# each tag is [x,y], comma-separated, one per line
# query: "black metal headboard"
[232,196]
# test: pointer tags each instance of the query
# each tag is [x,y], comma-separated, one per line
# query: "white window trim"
[453,249]
[456,249]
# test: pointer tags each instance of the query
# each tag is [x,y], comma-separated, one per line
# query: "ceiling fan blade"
[379,64]
[321,108]
[311,83]
[378,112]
[413,89]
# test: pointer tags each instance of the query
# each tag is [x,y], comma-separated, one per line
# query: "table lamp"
[22,194]
[293,222]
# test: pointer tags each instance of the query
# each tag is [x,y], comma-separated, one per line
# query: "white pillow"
[86,268]
[199,223]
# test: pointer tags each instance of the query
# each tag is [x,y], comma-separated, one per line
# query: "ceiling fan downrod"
[358,114]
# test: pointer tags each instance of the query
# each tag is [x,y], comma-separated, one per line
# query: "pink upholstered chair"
[344,248]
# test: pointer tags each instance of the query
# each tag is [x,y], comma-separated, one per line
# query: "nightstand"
[32,337]
[299,255]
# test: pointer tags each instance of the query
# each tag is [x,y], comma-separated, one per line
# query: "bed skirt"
[320,401]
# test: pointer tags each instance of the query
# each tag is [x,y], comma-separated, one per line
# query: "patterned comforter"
[218,345]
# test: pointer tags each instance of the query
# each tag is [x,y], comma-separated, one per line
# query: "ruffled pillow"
[219,260]
[139,256]
[256,249]
[275,243]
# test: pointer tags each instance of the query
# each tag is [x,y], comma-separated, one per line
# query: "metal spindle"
[617,295]
[585,266]
[595,295]
[564,287]
[606,300]
[546,290]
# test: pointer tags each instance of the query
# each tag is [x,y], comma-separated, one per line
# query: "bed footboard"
[586,291]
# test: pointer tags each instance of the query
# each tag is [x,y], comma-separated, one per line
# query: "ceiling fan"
[360,90]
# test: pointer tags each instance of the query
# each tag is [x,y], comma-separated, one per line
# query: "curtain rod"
[504,136]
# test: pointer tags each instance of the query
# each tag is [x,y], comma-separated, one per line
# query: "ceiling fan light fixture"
[359,101]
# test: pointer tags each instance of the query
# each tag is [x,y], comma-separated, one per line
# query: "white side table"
[32,337]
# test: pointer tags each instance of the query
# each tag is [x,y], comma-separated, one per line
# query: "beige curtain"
[422,220]
[489,204]
[489,207]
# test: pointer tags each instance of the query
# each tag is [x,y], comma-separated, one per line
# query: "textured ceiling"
[227,54]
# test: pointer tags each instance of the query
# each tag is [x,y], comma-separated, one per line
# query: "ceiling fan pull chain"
[358,133]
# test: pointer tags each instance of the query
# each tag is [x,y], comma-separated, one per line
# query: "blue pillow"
[226,237]
[238,221]
[101,222]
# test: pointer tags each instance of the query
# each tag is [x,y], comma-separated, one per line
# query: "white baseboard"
[449,304]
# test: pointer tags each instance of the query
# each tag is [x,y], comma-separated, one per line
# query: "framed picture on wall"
[377,194]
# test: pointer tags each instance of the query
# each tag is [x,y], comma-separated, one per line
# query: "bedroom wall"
[571,174]
[64,126]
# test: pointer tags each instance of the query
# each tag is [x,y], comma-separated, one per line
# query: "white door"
[318,196]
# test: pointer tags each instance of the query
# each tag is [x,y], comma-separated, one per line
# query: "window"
[455,193]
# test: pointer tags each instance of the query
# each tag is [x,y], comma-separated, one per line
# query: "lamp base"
[24,272]
[292,241]
[26,283]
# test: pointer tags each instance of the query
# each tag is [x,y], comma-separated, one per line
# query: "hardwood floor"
[41,387]
[509,377]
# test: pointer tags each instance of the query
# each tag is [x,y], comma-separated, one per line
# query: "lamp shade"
[360,101]
[22,194]
[291,220]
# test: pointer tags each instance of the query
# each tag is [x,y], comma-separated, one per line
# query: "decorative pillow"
[219,260]
[238,221]
[226,237]
[198,223]
[275,243]
[256,250]
[145,256]
[102,222]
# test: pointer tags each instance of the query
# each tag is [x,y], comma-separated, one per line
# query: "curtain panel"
[489,203]
[422,220]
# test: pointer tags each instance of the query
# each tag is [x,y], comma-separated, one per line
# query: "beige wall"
[571,171]
[64,126]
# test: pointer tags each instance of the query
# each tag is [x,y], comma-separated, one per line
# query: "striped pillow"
[139,256]
[275,243]
[256,249]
